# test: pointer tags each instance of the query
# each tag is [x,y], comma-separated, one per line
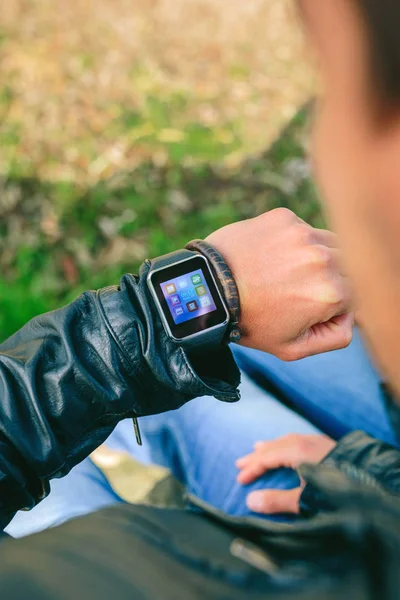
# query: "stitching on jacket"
[130,364]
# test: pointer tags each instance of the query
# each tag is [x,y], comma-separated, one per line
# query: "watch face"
[188,297]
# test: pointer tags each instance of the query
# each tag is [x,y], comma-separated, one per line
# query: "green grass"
[58,239]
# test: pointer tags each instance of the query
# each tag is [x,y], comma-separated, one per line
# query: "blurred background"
[129,127]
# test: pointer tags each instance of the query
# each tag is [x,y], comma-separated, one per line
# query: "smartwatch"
[187,297]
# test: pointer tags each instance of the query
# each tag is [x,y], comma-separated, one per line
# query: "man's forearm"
[68,377]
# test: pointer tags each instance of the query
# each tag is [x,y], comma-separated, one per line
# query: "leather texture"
[226,283]
[69,376]
[351,551]
[364,461]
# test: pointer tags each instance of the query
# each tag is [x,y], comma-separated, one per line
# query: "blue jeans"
[333,393]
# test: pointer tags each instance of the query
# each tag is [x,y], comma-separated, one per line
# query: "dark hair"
[382,18]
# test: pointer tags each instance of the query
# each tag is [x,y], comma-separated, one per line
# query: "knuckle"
[290,354]
[272,504]
[330,292]
[335,295]
[304,234]
[284,214]
[284,354]
[321,256]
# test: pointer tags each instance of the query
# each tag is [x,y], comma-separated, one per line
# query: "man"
[67,378]
[347,544]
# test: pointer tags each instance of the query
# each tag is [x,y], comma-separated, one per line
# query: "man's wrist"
[226,284]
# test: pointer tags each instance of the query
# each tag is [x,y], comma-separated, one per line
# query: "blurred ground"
[93,87]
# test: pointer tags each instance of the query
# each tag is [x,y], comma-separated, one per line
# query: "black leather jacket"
[69,376]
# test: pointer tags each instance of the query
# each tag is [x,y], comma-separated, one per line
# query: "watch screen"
[188,296]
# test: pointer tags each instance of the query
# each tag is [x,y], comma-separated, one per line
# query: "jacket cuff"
[166,373]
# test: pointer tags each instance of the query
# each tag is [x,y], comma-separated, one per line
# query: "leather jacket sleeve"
[363,460]
[69,376]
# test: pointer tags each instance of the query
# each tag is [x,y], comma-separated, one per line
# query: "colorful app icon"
[170,288]
[178,311]
[175,300]
[201,290]
[183,284]
[192,306]
[196,279]
[205,301]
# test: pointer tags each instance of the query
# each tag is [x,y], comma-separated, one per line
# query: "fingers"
[336,265]
[275,501]
[326,279]
[266,457]
[256,464]
[287,451]
[335,334]
[252,471]
[331,259]
[332,293]
[325,238]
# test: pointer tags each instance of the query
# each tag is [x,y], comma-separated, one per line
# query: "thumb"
[275,501]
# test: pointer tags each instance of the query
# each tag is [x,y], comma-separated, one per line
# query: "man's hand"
[294,300]
[288,451]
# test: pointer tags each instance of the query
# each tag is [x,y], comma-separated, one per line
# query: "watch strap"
[226,283]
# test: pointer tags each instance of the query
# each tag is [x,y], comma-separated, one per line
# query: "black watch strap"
[225,282]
